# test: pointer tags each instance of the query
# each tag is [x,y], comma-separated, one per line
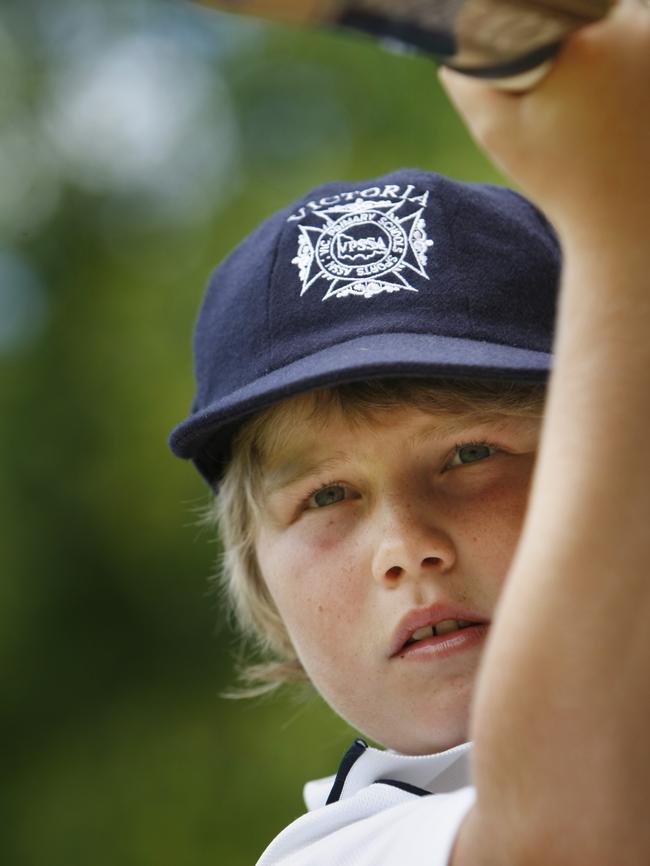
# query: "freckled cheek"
[493,528]
[319,586]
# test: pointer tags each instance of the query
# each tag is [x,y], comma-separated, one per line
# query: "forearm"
[562,767]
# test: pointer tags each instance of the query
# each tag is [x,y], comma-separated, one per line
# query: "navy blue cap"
[409,274]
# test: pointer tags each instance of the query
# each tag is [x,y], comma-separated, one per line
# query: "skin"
[403,520]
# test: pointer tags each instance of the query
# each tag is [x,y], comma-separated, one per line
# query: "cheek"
[314,580]
[493,524]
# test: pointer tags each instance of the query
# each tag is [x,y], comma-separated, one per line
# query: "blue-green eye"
[471,452]
[327,496]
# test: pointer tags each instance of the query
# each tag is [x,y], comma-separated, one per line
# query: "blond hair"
[235,510]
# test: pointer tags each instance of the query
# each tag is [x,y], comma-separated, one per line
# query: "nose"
[410,544]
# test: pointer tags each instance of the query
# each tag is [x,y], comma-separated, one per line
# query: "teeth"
[421,633]
[443,627]
[446,626]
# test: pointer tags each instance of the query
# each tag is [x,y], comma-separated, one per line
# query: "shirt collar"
[438,773]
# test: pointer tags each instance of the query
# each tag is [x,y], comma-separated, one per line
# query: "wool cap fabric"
[409,274]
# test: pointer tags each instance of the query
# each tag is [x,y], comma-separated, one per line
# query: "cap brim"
[379,355]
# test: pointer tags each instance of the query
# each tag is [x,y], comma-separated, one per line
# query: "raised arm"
[562,758]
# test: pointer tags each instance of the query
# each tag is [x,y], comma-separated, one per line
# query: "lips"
[419,619]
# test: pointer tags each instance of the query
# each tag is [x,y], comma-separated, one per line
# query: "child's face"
[364,524]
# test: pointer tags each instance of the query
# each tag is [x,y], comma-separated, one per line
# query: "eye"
[471,452]
[329,494]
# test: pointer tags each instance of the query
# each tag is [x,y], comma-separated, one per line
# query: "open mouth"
[445,626]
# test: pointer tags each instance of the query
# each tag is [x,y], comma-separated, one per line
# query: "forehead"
[296,429]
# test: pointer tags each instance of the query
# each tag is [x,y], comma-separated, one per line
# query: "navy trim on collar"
[404,786]
[350,758]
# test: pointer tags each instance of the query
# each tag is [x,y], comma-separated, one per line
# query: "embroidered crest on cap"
[363,243]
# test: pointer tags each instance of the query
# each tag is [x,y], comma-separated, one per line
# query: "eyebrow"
[294,469]
[454,425]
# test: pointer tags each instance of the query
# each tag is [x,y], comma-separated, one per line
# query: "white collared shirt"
[381,809]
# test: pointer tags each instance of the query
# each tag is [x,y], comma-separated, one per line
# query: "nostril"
[395,571]
[431,560]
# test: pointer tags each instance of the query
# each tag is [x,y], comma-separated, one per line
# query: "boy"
[370,369]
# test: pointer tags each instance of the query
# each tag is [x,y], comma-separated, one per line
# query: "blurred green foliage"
[139,140]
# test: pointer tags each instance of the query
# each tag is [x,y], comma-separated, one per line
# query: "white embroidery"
[363,247]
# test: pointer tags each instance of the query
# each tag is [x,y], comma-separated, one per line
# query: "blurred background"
[139,140]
